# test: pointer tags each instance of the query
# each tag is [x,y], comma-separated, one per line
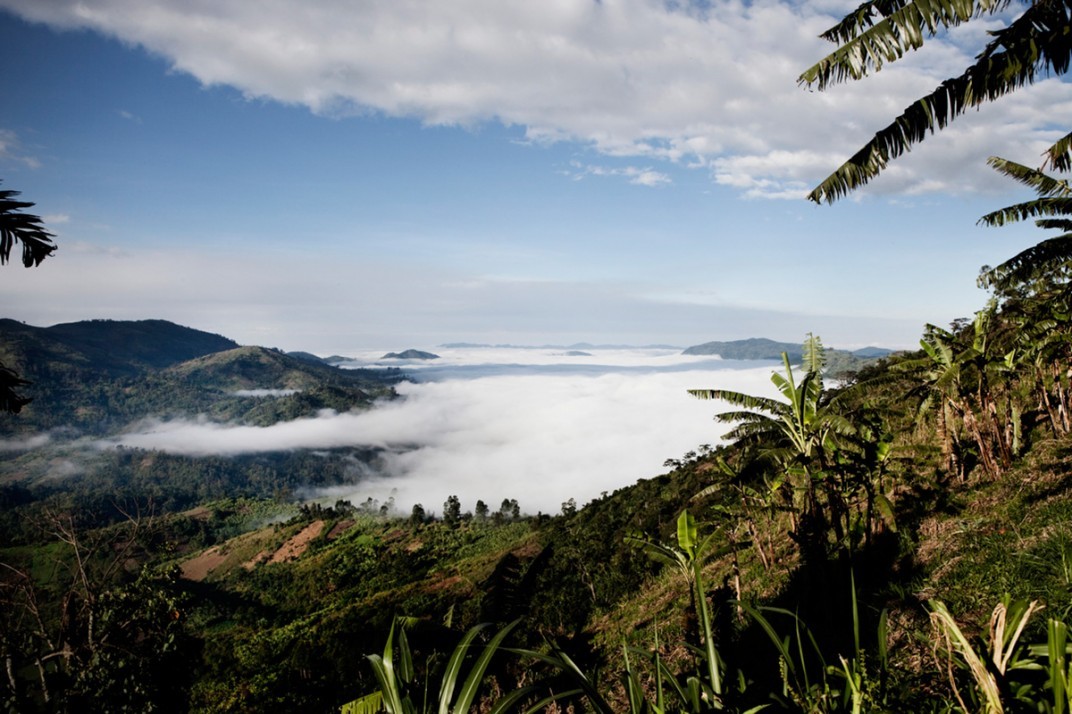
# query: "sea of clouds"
[539,425]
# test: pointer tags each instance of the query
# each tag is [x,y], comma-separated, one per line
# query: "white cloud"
[635,175]
[630,78]
[13,151]
[538,437]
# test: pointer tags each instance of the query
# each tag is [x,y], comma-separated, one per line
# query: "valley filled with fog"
[539,425]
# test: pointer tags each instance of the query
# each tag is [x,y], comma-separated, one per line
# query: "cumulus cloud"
[689,83]
[535,435]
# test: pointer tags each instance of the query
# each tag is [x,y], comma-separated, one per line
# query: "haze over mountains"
[537,424]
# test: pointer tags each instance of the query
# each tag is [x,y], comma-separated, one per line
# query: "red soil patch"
[296,546]
[259,558]
[197,569]
[340,528]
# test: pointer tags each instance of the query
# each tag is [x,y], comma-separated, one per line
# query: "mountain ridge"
[115,346]
[160,369]
[765,348]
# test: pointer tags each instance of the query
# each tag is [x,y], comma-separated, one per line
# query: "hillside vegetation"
[844,551]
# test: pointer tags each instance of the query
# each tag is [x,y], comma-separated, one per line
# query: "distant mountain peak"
[761,348]
[751,348]
[410,354]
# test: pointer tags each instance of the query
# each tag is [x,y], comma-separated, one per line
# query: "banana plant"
[398,681]
[941,392]
[973,378]
[688,558]
[799,432]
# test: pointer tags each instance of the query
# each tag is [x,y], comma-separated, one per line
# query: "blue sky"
[329,177]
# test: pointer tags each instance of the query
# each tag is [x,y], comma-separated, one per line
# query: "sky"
[333,176]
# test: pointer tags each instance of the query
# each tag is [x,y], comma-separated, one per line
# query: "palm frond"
[10,400]
[866,44]
[1027,264]
[368,704]
[1059,156]
[863,17]
[1026,210]
[1035,43]
[744,417]
[839,425]
[1043,185]
[25,228]
[814,354]
[1059,224]
[739,399]
[746,433]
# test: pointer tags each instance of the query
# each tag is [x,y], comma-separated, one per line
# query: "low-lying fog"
[537,425]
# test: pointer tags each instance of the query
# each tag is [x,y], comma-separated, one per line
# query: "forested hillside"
[807,565]
[93,377]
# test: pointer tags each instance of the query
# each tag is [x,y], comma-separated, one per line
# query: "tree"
[510,509]
[417,515]
[452,510]
[1034,44]
[939,385]
[481,510]
[25,228]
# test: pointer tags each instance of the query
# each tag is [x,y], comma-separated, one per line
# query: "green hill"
[752,348]
[107,346]
[410,354]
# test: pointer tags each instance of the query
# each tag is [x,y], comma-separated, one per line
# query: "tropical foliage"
[816,463]
[1045,265]
[25,228]
[1032,44]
